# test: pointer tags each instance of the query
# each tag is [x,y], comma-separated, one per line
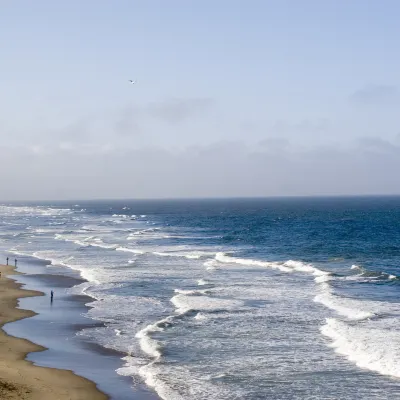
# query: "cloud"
[376,95]
[305,126]
[128,121]
[274,144]
[79,129]
[223,169]
[135,120]
[70,148]
[132,120]
[374,144]
[175,111]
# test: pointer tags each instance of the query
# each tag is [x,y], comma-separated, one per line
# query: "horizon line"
[206,198]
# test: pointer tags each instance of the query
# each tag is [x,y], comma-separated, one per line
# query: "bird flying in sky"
[131,81]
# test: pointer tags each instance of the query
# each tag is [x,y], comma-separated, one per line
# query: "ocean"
[281,298]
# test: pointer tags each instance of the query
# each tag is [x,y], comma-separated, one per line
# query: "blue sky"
[303,75]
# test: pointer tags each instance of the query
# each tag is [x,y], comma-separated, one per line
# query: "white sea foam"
[53,258]
[29,211]
[142,232]
[223,258]
[177,254]
[81,243]
[81,288]
[151,346]
[191,292]
[342,306]
[100,243]
[89,274]
[288,266]
[350,308]
[211,264]
[42,230]
[188,237]
[129,250]
[184,303]
[323,278]
[200,316]
[369,345]
[131,368]
[18,252]
[150,374]
[77,239]
[308,268]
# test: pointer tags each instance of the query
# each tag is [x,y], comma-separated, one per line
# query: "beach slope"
[19,378]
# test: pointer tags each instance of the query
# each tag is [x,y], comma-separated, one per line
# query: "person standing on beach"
[7,260]
[16,262]
[51,296]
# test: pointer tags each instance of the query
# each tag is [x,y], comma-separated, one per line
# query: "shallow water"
[55,327]
[242,299]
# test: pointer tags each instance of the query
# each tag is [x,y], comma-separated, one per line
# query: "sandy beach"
[20,379]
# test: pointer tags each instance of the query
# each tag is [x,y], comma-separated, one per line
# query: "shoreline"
[19,378]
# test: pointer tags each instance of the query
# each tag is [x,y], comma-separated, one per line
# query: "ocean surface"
[285,298]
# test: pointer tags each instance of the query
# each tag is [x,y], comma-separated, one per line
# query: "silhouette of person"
[16,262]
[51,296]
[7,260]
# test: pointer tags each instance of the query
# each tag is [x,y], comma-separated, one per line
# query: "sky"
[233,98]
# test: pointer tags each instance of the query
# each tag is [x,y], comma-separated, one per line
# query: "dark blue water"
[289,298]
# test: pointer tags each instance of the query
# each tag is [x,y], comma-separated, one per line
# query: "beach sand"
[20,379]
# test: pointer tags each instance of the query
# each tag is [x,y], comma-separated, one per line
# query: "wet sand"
[19,378]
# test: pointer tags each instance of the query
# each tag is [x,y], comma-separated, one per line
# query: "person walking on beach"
[7,260]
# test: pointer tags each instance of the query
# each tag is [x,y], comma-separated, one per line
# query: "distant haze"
[233,98]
